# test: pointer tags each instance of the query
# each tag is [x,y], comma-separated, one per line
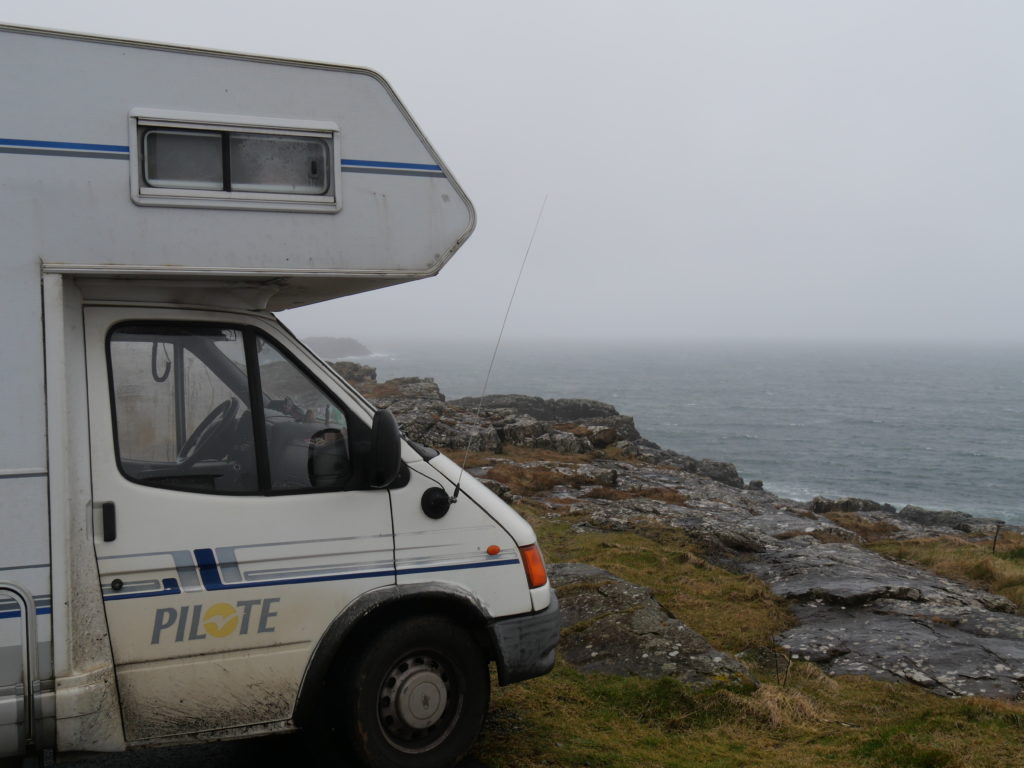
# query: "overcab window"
[235,162]
[183,160]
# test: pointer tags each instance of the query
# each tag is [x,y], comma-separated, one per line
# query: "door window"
[186,399]
[307,435]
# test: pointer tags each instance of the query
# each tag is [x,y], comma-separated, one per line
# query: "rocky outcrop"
[821,505]
[569,426]
[722,471]
[858,612]
[358,375]
[557,410]
[957,521]
[618,628]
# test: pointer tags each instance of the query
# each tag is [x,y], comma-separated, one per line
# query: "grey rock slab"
[844,574]
[924,649]
[615,627]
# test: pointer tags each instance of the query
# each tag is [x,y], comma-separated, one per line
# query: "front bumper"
[525,645]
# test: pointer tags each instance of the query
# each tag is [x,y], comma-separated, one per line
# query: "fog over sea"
[940,426]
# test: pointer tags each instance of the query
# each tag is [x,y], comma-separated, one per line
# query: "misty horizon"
[372,340]
[711,170]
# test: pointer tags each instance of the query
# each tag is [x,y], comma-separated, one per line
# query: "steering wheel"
[213,428]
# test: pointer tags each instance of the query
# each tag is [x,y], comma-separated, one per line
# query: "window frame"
[142,121]
[250,334]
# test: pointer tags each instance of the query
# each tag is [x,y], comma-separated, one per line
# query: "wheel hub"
[421,699]
[414,699]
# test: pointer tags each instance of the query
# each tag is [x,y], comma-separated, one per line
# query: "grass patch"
[732,611]
[527,481]
[869,530]
[972,561]
[572,719]
[1012,554]
[531,480]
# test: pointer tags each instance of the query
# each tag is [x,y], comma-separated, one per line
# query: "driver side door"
[230,525]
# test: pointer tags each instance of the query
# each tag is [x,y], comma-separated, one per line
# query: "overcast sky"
[769,170]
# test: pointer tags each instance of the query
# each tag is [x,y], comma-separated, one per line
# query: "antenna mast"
[497,344]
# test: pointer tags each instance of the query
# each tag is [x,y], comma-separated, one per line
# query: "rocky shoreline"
[857,611]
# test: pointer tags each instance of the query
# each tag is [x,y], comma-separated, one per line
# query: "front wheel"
[416,696]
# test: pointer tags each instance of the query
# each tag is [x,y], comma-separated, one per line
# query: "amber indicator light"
[533,562]
[493,549]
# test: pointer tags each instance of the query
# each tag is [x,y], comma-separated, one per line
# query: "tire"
[416,696]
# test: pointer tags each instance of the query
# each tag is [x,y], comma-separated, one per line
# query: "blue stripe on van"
[72,145]
[170,588]
[17,613]
[211,576]
[120,151]
[392,169]
[209,572]
[462,567]
[11,608]
[385,164]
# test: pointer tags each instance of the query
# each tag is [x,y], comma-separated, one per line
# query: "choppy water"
[941,427]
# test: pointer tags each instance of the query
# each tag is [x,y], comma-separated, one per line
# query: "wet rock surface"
[615,627]
[861,613]
[858,612]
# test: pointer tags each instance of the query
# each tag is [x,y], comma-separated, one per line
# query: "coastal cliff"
[851,610]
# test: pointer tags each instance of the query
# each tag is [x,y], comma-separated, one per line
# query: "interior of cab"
[182,397]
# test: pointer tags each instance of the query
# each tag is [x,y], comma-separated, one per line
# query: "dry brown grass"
[776,707]
[579,430]
[668,495]
[525,481]
[956,557]
[517,454]
[869,530]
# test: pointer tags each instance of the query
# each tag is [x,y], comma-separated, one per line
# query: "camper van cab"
[207,533]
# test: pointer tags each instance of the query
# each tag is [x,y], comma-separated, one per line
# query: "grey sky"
[713,169]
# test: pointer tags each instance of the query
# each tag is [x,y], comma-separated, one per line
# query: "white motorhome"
[206,533]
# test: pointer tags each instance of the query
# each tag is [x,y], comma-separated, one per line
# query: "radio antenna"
[497,344]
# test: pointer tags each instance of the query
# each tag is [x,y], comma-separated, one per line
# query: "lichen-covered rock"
[722,471]
[615,627]
[556,410]
[861,613]
[593,474]
[518,429]
[356,374]
[821,505]
[560,442]
[951,650]
[947,518]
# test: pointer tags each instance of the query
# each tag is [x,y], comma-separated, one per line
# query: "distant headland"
[336,347]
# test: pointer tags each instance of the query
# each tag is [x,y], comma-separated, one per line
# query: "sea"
[936,425]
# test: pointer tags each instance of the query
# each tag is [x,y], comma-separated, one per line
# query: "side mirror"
[385,456]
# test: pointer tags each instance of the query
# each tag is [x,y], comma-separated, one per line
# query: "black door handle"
[109,521]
